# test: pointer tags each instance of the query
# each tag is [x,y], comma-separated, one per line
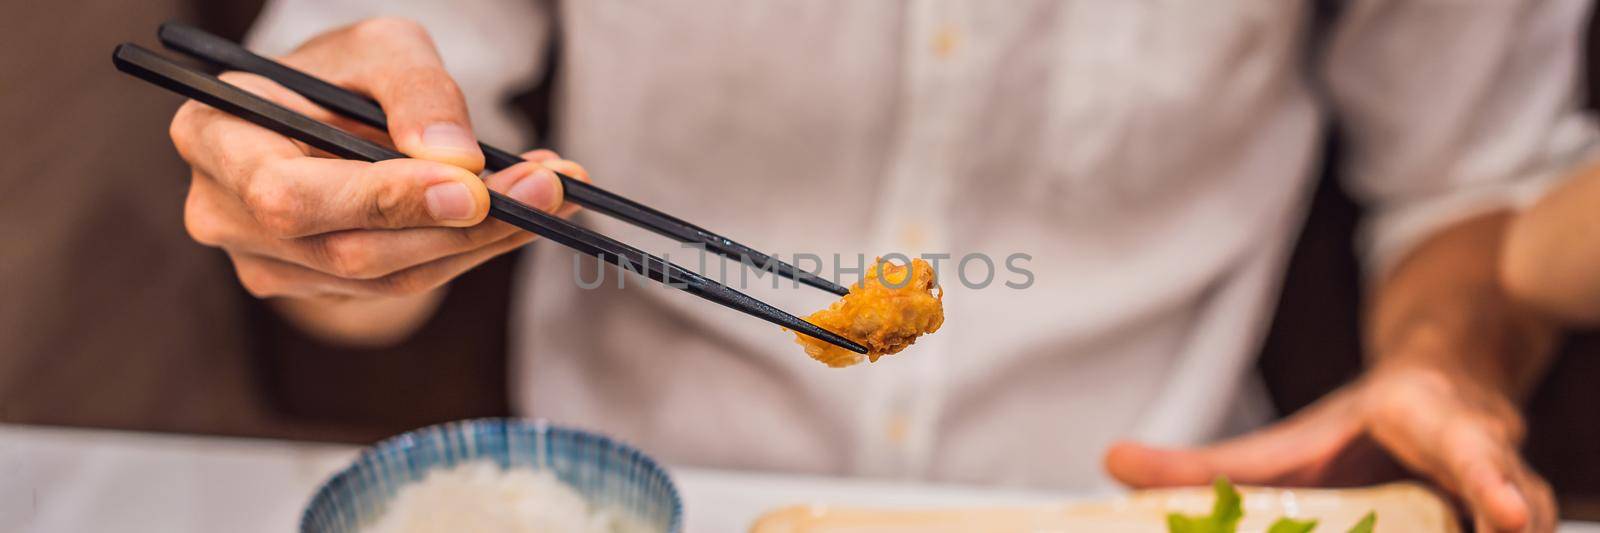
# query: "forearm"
[1552,249]
[360,322]
[1443,308]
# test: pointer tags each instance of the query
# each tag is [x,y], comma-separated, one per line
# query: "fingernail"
[538,190]
[449,201]
[446,136]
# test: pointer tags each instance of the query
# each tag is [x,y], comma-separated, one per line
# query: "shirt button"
[912,236]
[897,429]
[945,41]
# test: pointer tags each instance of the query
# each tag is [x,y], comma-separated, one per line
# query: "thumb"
[398,193]
[1139,466]
[1299,451]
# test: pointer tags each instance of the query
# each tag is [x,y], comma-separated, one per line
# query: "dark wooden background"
[114,319]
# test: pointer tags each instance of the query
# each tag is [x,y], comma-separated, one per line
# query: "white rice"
[482,497]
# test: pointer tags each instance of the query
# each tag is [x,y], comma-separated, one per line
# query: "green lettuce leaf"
[1229,508]
[1366,523]
[1290,525]
[1224,517]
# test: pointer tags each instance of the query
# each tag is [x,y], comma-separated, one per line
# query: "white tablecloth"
[71,480]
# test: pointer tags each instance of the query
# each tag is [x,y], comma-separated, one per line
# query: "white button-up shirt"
[1151,158]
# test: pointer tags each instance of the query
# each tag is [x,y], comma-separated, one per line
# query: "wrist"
[1505,359]
[363,322]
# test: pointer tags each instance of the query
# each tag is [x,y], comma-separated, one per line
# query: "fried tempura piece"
[885,312]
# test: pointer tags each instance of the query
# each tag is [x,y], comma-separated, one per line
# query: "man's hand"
[300,225]
[1449,355]
[1461,436]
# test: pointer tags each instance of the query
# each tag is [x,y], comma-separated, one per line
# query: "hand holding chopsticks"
[222,52]
[227,98]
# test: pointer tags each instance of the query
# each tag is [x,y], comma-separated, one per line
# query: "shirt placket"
[906,398]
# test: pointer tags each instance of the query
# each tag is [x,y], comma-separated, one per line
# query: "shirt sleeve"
[1451,109]
[493,48]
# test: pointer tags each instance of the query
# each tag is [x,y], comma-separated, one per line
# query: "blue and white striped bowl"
[609,474]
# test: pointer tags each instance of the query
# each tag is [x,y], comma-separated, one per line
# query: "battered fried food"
[885,312]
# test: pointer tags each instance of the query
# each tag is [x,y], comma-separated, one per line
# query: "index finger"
[305,196]
[1485,472]
[292,194]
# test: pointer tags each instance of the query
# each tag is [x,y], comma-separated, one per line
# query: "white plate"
[1400,507]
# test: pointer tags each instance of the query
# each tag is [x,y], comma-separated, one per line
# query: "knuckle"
[1393,406]
[274,207]
[347,256]
[1405,395]
[225,150]
[387,203]
[223,143]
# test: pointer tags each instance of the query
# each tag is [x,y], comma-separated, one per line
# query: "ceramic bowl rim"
[409,439]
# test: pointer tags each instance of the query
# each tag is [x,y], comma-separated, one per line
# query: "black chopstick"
[146,65]
[207,47]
